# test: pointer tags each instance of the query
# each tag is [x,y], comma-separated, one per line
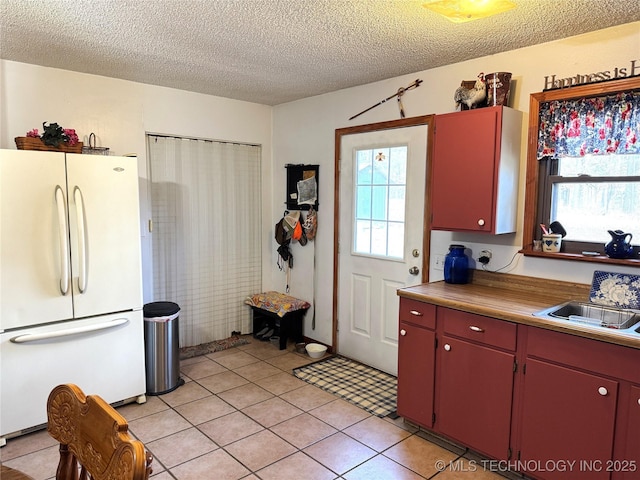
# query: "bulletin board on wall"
[302,186]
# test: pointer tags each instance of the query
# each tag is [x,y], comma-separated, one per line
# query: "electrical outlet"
[484,257]
[439,262]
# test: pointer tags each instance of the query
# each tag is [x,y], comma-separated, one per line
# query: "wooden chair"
[94,439]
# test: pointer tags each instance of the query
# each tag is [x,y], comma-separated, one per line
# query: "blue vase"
[456,265]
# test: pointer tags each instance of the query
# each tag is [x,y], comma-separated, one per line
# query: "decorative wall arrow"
[399,93]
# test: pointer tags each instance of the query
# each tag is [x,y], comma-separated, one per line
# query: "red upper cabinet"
[474,185]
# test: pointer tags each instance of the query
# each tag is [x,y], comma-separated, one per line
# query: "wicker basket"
[34,143]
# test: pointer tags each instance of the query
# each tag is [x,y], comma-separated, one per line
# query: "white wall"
[304,133]
[120,113]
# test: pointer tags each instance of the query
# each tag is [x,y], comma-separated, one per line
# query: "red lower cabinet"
[475,390]
[627,465]
[571,411]
[416,366]
[568,423]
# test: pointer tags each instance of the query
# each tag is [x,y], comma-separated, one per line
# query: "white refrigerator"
[70,282]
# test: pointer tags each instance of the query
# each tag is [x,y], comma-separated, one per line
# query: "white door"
[382,191]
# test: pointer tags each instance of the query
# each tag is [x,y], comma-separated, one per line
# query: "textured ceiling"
[276,51]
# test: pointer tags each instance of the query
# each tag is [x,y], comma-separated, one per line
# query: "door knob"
[414,270]
[447,347]
[403,332]
[602,391]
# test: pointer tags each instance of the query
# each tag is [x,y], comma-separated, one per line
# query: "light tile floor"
[242,415]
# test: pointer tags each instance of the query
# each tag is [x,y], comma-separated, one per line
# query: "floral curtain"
[590,126]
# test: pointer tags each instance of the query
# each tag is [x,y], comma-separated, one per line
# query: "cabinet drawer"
[600,357]
[418,313]
[488,331]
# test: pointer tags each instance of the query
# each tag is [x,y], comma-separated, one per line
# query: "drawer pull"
[403,332]
[416,313]
[476,329]
[447,347]
[603,391]
[639,401]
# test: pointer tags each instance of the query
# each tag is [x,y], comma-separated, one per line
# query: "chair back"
[94,439]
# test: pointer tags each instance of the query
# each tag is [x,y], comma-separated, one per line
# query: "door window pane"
[380,188]
[364,165]
[379,194]
[398,165]
[379,238]
[363,204]
[396,239]
[396,203]
[363,236]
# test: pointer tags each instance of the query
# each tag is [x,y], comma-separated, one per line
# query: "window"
[380,185]
[571,181]
[590,195]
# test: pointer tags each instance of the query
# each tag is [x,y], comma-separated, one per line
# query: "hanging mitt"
[282,234]
[310,225]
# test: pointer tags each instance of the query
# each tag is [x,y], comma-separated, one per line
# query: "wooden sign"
[631,70]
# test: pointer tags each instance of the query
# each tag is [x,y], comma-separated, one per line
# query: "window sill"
[629,262]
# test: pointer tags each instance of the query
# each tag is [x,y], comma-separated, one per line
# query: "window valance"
[590,126]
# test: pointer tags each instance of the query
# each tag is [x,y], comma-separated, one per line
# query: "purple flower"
[33,133]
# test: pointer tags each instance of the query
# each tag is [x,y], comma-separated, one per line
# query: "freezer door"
[104,223]
[103,355]
[34,258]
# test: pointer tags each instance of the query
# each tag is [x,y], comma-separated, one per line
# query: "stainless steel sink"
[593,314]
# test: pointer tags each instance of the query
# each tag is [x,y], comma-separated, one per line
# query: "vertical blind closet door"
[206,203]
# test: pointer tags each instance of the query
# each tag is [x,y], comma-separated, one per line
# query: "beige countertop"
[515,299]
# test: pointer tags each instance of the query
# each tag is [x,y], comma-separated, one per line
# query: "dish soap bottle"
[456,265]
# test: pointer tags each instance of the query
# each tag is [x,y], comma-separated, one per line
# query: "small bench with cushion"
[274,309]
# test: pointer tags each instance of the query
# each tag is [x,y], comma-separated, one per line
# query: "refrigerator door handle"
[64,240]
[34,337]
[82,239]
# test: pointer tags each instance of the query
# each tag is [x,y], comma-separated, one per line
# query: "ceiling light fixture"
[459,11]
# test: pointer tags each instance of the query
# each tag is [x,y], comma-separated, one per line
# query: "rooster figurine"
[471,97]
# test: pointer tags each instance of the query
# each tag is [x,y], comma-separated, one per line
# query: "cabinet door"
[628,467]
[568,416]
[416,366]
[475,391]
[464,170]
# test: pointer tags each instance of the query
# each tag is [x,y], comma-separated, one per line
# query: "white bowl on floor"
[315,350]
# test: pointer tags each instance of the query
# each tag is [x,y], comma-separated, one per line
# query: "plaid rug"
[364,386]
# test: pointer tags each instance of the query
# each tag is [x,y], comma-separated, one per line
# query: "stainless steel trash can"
[162,347]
